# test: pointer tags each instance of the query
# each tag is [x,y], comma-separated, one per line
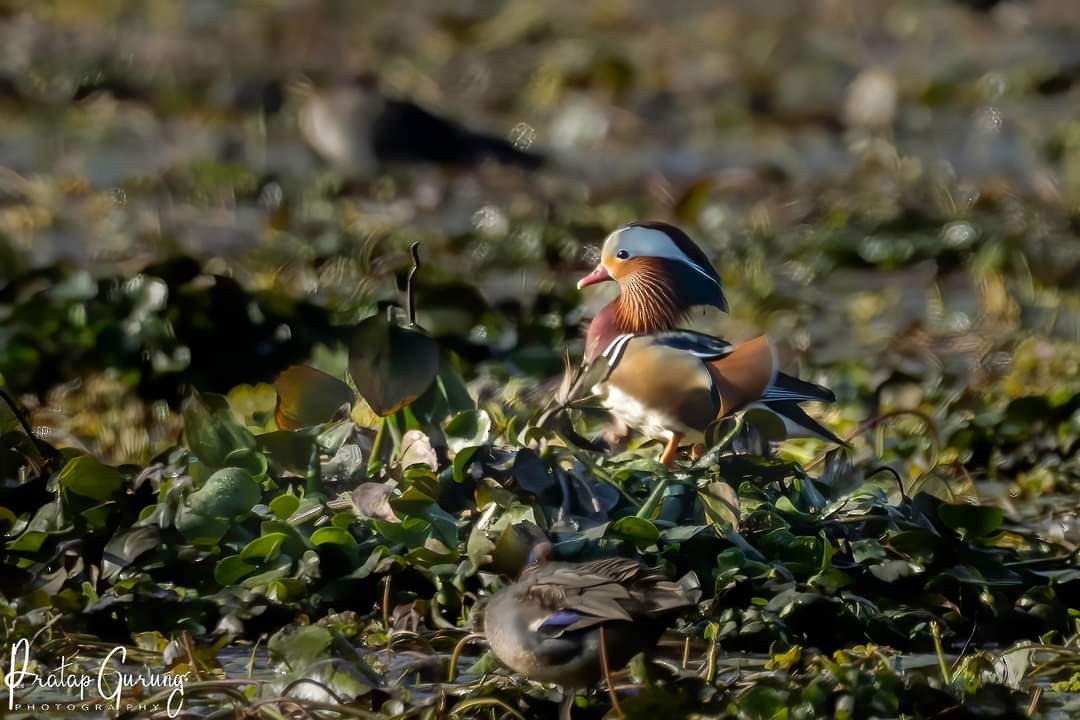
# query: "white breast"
[649,423]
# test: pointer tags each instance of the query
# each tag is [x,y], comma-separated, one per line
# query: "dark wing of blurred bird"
[356,127]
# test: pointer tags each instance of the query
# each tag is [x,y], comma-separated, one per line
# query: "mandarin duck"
[668,382]
[547,625]
[354,126]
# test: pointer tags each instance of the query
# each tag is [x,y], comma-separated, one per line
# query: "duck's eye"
[623,254]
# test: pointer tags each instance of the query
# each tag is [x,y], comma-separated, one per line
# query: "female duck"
[547,625]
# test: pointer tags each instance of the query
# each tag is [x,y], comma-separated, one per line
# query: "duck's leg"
[566,704]
[671,449]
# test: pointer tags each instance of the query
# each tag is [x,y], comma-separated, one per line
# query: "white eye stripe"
[641,241]
[707,276]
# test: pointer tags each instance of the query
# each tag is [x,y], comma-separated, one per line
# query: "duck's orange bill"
[598,275]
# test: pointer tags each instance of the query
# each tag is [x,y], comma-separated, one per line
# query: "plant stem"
[654,498]
[375,461]
[935,632]
[414,250]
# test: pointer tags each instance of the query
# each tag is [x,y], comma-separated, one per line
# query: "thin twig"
[607,675]
[646,510]
[482,701]
[386,606]
[935,633]
[710,659]
[451,672]
[1036,695]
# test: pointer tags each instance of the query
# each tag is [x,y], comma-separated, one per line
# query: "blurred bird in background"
[356,128]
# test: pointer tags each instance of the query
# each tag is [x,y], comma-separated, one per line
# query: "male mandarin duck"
[672,383]
[547,624]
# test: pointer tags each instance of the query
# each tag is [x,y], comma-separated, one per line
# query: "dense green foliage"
[234,453]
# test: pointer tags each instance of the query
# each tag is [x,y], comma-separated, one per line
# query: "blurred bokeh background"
[889,187]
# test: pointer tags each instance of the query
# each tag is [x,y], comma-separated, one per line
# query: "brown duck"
[547,624]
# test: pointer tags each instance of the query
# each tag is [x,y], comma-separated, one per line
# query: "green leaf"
[461,462]
[232,569]
[228,492]
[292,451]
[125,547]
[390,365]
[263,548]
[300,646]
[306,397]
[637,530]
[721,503]
[249,459]
[211,431]
[971,520]
[201,529]
[208,512]
[338,538]
[468,429]
[411,532]
[283,506]
[87,477]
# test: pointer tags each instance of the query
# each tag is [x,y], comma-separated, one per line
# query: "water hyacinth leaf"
[762,702]
[372,501]
[682,533]
[416,449]
[595,498]
[211,431]
[201,529]
[306,397]
[479,547]
[721,503]
[97,517]
[293,452]
[124,548]
[471,428]
[390,365]
[446,396]
[531,473]
[227,493]
[87,477]
[284,505]
[232,569]
[411,532]
[263,548]
[892,570]
[251,460]
[767,424]
[867,549]
[279,568]
[295,543]
[7,519]
[971,521]
[300,646]
[461,462]
[443,523]
[337,538]
[637,530]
